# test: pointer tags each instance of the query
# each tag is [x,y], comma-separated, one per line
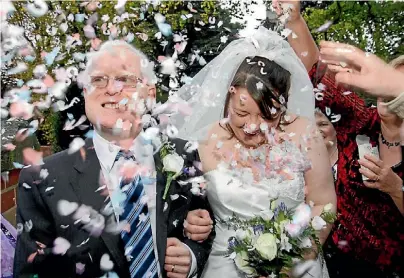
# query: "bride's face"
[245,118]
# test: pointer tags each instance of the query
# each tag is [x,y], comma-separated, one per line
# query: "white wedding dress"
[233,192]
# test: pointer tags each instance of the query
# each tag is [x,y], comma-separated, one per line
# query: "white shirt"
[106,153]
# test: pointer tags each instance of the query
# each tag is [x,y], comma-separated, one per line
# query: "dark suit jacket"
[75,179]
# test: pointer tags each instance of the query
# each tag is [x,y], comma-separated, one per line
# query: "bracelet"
[397,105]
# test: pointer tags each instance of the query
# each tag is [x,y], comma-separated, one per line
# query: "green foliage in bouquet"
[273,242]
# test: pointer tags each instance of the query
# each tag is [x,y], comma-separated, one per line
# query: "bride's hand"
[198,225]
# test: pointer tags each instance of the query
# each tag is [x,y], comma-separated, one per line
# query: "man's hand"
[198,225]
[178,259]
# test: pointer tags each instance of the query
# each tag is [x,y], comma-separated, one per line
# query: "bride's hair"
[275,81]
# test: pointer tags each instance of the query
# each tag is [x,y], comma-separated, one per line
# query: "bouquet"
[270,244]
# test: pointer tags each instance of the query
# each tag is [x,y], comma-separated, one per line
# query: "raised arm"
[300,38]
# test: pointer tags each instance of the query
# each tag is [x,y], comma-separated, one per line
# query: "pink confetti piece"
[80,268]
[60,246]
[48,81]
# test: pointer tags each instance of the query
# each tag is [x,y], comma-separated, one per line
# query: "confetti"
[324,27]
[80,268]
[37,8]
[60,246]
[43,173]
[19,68]
[66,208]
[25,185]
[106,264]
[174,197]
[76,145]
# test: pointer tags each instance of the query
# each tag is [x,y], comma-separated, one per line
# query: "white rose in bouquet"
[318,223]
[241,261]
[306,243]
[266,246]
[241,234]
[173,163]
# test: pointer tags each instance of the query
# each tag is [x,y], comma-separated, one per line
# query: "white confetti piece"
[49,188]
[76,145]
[335,118]
[64,226]
[25,185]
[219,144]
[195,190]
[174,197]
[319,96]
[66,208]
[19,228]
[324,27]
[43,173]
[37,8]
[175,223]
[347,93]
[165,206]
[60,246]
[83,242]
[106,264]
[101,188]
[28,225]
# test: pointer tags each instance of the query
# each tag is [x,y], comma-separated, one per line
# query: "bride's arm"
[319,181]
[300,38]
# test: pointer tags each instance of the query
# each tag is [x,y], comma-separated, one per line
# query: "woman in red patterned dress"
[367,239]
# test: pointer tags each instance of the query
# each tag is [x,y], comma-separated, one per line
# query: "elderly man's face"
[116,94]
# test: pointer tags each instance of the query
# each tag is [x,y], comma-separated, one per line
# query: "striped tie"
[138,242]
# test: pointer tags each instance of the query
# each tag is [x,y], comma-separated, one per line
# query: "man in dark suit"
[81,214]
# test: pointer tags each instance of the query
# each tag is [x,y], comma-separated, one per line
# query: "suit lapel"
[85,181]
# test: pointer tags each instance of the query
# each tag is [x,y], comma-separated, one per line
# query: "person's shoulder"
[55,163]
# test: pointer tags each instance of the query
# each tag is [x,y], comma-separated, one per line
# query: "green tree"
[375,26]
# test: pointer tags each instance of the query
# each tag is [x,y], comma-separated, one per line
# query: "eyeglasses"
[126,81]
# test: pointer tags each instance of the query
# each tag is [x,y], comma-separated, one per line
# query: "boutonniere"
[173,164]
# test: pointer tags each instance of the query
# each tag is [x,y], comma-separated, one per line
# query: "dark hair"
[275,82]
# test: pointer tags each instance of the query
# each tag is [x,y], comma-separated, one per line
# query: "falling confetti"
[60,246]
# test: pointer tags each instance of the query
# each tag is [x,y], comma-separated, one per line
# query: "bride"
[253,112]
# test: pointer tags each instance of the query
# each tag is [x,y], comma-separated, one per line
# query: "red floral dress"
[369,228]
